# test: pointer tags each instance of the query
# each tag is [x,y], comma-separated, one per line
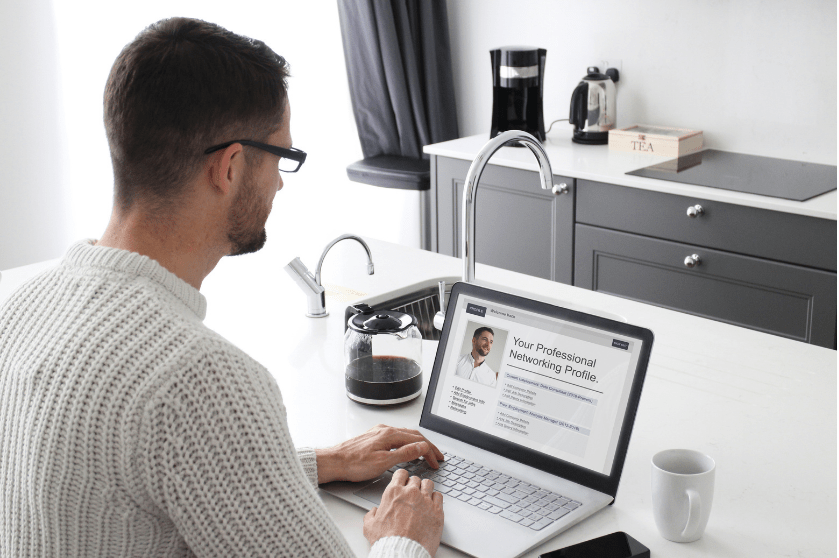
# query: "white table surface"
[763,407]
[601,164]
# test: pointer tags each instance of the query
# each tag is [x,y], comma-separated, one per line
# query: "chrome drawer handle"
[560,189]
[693,260]
[695,211]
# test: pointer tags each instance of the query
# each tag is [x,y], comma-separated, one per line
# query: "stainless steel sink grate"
[424,310]
[423,304]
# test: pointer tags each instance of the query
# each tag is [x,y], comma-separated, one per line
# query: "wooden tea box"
[656,140]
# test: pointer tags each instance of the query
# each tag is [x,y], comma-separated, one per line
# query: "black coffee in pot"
[383,378]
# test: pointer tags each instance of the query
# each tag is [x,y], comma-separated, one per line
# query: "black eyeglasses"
[290,159]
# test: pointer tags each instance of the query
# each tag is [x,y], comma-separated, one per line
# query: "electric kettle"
[593,107]
[382,356]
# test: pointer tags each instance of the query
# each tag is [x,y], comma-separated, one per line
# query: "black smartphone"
[615,545]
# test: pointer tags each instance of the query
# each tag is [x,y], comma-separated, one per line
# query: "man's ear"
[225,168]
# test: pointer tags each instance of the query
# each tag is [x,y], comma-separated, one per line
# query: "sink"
[423,301]
[418,299]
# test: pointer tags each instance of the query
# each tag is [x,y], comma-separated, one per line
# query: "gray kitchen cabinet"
[783,299]
[766,270]
[774,235]
[518,225]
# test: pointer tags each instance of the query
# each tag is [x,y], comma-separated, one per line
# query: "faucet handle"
[315,293]
[440,316]
[439,320]
[302,276]
[559,189]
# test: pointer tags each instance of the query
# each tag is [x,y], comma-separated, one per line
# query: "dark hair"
[480,330]
[181,86]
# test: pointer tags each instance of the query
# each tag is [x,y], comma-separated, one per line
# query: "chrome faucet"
[470,189]
[312,286]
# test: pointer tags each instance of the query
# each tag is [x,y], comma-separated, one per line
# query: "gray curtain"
[400,74]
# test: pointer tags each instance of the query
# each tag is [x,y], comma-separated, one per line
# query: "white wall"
[54,140]
[757,76]
[33,223]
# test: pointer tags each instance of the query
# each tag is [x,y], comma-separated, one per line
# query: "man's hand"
[409,509]
[369,455]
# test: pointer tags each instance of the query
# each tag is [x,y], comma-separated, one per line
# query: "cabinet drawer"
[767,234]
[782,299]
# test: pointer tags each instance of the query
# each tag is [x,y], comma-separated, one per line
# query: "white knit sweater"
[127,428]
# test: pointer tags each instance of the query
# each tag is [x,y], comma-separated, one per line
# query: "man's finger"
[402,438]
[427,486]
[434,454]
[400,477]
[431,457]
[436,497]
[397,437]
[414,482]
[437,453]
[408,452]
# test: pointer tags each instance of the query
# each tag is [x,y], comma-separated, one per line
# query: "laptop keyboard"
[493,492]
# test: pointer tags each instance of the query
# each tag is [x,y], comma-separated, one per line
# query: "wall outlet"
[607,63]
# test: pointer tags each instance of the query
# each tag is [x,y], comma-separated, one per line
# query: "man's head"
[182,86]
[247,217]
[482,342]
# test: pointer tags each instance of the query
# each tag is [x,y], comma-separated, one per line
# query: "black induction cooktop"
[766,176]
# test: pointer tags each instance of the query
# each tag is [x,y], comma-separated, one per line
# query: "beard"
[246,220]
[481,351]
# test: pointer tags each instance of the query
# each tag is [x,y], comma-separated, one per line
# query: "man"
[473,364]
[128,428]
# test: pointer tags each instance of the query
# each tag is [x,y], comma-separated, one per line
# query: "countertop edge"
[573,161]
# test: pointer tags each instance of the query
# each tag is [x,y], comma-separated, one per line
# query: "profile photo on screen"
[482,350]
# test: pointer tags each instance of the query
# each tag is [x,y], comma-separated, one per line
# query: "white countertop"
[762,406]
[599,163]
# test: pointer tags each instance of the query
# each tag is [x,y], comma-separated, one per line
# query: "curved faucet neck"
[470,188]
[336,241]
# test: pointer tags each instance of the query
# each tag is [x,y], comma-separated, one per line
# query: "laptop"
[533,405]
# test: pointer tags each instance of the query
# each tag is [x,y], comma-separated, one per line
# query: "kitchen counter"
[762,406]
[599,163]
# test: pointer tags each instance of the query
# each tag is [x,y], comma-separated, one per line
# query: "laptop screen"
[533,378]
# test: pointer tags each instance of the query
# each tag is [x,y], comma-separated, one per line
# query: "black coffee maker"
[517,83]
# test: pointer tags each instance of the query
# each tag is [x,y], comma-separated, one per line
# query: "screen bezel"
[607,484]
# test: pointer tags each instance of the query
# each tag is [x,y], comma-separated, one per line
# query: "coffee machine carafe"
[593,107]
[517,84]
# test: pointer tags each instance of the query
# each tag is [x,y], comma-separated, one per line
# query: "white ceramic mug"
[683,491]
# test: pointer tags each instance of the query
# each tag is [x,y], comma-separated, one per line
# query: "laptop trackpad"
[373,491]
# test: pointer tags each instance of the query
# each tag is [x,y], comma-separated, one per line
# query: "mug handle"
[694,515]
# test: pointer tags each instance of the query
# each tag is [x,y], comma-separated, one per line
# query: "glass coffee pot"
[382,356]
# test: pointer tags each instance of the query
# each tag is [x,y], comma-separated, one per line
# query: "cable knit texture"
[128,428]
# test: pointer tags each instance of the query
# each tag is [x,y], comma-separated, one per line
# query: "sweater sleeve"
[309,461]
[398,547]
[216,457]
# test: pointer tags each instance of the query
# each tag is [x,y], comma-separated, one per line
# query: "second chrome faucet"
[311,284]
